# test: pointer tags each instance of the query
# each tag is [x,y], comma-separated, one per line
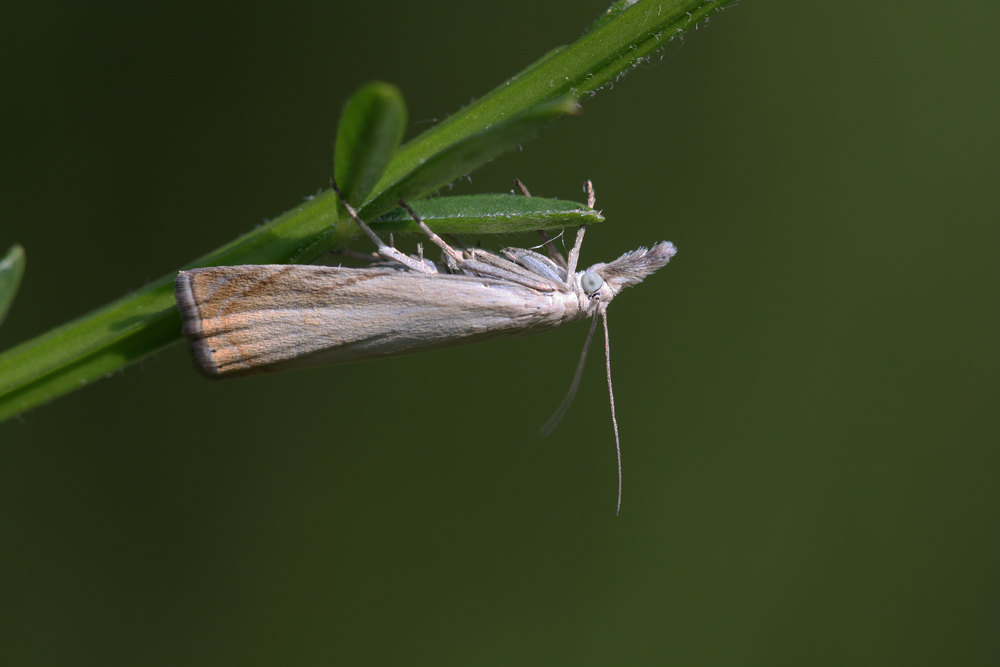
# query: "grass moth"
[243,320]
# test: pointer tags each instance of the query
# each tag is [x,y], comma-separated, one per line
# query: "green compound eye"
[591,282]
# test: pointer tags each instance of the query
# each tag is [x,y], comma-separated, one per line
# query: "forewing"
[261,318]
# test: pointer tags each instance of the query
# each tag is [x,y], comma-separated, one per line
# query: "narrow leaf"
[368,135]
[11,270]
[488,214]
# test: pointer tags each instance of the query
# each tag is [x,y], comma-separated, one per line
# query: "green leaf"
[11,270]
[488,214]
[468,153]
[368,135]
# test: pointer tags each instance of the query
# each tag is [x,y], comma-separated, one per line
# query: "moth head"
[591,281]
[629,269]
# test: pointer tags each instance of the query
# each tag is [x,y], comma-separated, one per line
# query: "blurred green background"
[809,395]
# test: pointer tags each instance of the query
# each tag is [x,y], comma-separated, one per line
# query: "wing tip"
[191,325]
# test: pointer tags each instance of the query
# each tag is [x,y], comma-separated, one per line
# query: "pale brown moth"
[243,320]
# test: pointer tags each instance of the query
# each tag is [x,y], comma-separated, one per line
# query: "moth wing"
[260,318]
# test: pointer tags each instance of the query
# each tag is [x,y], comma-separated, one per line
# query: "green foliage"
[11,270]
[374,173]
[368,135]
[488,214]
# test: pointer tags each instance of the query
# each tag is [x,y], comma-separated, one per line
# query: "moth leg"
[553,251]
[437,240]
[574,254]
[386,251]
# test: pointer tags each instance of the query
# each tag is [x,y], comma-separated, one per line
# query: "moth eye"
[591,282]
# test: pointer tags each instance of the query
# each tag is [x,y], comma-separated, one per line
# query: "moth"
[244,320]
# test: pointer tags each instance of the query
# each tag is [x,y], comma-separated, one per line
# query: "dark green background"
[809,395]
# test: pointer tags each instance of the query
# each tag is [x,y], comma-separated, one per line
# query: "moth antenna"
[611,395]
[556,238]
[564,406]
[554,253]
